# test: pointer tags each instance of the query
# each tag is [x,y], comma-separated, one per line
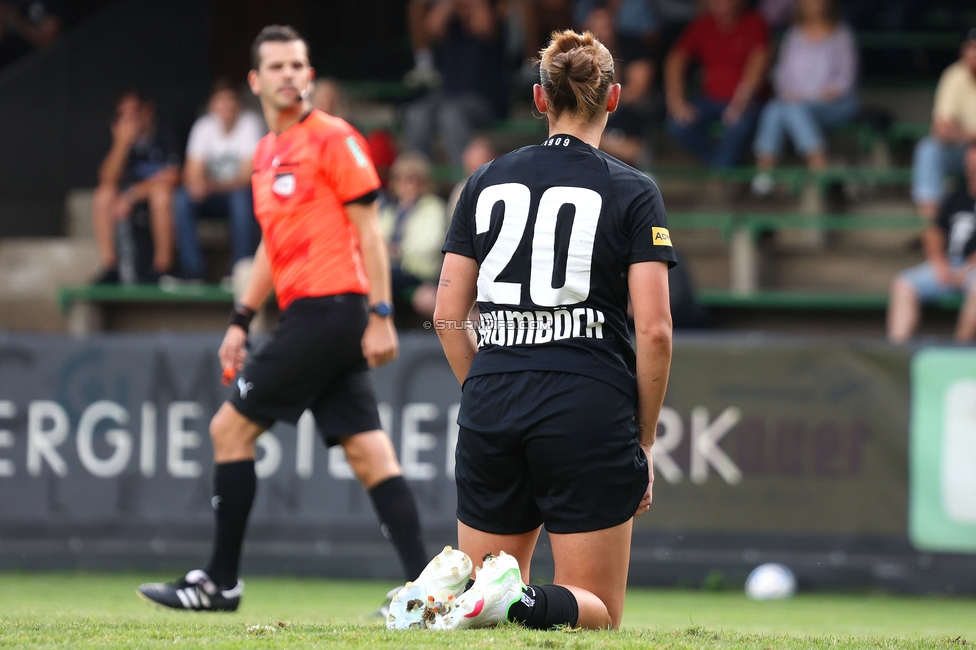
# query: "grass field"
[101,610]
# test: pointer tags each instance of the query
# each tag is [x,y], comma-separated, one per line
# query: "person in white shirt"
[217,179]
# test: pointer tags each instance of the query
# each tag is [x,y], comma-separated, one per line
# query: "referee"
[558,412]
[315,192]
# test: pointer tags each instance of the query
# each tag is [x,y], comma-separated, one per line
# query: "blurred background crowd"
[808,150]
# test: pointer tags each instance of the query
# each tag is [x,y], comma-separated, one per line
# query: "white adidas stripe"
[181,594]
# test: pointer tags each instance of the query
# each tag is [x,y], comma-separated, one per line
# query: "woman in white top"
[814,80]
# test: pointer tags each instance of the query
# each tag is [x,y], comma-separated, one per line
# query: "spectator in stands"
[478,152]
[627,31]
[950,266]
[776,13]
[327,96]
[424,72]
[953,128]
[414,224]
[814,81]
[467,39]
[27,25]
[217,179]
[137,177]
[539,19]
[732,46]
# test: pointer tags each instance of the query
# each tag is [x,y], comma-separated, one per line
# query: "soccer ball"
[770,581]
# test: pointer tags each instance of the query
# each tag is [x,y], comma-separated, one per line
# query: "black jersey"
[554,228]
[957,219]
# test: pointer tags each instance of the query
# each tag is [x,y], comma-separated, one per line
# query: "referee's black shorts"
[312,359]
[550,448]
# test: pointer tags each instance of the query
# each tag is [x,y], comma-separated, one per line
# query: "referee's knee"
[232,435]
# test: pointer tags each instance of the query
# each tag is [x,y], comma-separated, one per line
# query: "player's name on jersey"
[509,327]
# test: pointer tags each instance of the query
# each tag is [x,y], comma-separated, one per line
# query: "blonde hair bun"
[576,72]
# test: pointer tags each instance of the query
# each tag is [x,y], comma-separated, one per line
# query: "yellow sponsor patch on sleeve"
[661,236]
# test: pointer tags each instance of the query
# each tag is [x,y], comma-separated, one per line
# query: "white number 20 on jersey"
[516,198]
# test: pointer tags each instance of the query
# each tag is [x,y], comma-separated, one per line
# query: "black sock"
[234,486]
[397,511]
[545,607]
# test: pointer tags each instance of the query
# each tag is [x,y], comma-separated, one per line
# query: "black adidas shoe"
[196,591]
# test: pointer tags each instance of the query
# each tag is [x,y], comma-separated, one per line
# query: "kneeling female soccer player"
[558,412]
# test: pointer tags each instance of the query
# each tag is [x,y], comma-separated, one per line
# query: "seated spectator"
[949,268]
[479,152]
[424,72]
[731,45]
[467,39]
[953,128]
[217,179]
[27,25]
[776,13]
[814,81]
[414,224]
[627,36]
[136,180]
[327,96]
[538,20]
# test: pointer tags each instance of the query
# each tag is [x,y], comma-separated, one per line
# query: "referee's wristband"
[242,317]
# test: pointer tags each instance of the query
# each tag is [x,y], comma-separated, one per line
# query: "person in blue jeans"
[731,44]
[217,180]
[814,80]
[949,268]
[953,129]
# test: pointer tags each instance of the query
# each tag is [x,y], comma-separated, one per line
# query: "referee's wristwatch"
[382,309]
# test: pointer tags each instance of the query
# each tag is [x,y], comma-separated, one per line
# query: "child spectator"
[731,45]
[949,268]
[414,224]
[136,180]
[217,179]
[953,128]
[466,37]
[814,80]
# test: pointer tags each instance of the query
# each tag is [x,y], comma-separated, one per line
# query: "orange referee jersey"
[303,178]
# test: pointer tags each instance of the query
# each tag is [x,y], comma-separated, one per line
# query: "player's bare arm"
[380,344]
[232,353]
[456,293]
[648,282]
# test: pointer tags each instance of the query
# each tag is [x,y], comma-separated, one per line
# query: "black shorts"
[550,448]
[312,359]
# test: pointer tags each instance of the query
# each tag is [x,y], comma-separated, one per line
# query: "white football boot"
[497,587]
[441,581]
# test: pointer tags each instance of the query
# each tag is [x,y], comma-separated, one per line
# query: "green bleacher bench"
[908,131]
[909,40]
[806,300]
[794,177]
[142,293]
[756,223]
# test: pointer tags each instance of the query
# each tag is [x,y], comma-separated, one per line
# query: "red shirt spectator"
[722,52]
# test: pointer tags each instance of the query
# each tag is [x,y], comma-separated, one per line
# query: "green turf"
[97,611]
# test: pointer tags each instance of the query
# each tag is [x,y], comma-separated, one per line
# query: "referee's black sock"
[234,486]
[397,511]
[545,607]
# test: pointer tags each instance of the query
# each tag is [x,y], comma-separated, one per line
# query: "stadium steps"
[31,270]
[761,251]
